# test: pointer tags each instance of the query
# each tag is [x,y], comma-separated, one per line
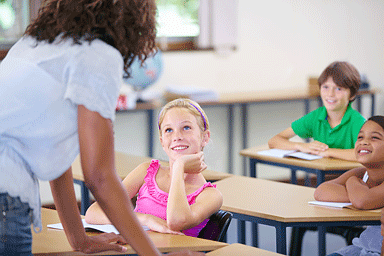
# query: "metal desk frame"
[281,235]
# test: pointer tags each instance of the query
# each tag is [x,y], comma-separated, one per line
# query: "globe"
[143,76]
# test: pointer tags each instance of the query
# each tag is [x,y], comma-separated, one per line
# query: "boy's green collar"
[324,114]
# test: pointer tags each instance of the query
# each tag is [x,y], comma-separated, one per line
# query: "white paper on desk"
[304,156]
[330,204]
[107,228]
[275,152]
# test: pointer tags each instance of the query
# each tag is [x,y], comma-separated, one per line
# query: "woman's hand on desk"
[103,242]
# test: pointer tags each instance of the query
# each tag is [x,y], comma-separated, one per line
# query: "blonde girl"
[175,198]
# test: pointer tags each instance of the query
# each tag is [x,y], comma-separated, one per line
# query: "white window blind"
[218,24]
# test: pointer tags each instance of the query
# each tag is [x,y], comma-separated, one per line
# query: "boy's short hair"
[344,75]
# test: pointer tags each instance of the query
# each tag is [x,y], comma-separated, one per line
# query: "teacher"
[58,92]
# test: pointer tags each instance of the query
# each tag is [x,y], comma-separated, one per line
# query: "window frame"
[34,6]
[169,44]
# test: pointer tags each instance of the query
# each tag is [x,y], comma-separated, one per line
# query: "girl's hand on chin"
[193,163]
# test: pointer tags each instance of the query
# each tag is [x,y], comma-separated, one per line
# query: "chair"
[348,233]
[217,226]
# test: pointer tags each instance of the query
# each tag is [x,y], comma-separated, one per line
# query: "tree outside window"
[177,24]
[178,18]
[14,18]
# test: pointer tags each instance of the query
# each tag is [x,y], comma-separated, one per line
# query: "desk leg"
[230,137]
[85,201]
[320,177]
[358,100]
[244,118]
[252,168]
[321,242]
[255,232]
[241,231]
[319,102]
[306,106]
[281,239]
[307,181]
[372,104]
[293,176]
[150,113]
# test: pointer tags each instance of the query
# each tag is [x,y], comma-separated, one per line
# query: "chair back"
[217,226]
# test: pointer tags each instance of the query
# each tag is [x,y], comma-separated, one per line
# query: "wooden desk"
[53,241]
[125,163]
[284,205]
[241,249]
[244,99]
[320,167]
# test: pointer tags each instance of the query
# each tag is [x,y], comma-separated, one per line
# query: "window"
[182,24]
[196,24]
[15,15]
[177,24]
[178,18]
[14,18]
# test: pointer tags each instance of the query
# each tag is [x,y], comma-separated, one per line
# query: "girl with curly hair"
[58,93]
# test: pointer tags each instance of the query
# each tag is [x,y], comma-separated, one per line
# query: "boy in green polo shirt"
[335,125]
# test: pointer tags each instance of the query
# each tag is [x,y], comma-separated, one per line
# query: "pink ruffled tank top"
[152,200]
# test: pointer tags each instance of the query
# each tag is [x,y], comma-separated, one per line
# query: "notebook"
[288,153]
[107,228]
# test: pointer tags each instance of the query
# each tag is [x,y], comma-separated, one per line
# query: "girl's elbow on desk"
[365,203]
[178,224]
[320,196]
[321,193]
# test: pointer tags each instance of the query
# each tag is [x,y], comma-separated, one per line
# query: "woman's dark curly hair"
[127,25]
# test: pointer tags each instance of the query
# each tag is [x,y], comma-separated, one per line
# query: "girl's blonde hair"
[192,106]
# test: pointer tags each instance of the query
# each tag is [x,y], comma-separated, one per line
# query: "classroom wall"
[280,44]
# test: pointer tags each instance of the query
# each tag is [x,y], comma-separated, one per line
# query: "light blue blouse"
[40,88]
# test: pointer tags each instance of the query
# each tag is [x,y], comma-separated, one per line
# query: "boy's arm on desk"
[282,141]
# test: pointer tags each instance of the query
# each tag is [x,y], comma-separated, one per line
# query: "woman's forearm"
[110,193]
[66,205]
[96,141]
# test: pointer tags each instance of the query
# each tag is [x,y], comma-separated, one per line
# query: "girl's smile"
[177,148]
